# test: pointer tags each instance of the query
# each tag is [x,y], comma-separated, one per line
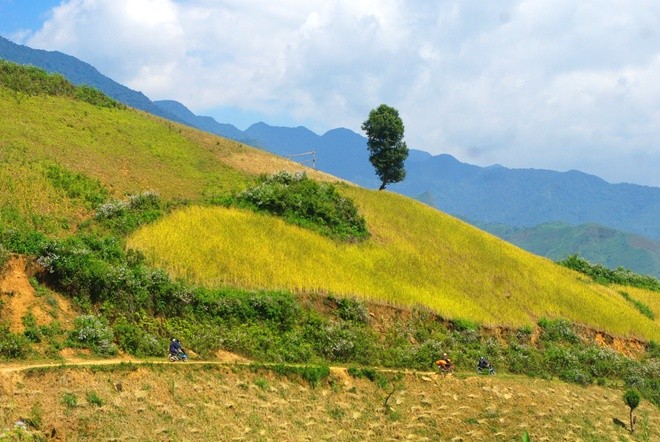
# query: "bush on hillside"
[23,241]
[307,203]
[12,345]
[124,216]
[94,333]
[603,275]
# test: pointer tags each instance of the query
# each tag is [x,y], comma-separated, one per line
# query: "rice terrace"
[310,308]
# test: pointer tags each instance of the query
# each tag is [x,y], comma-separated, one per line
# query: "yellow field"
[417,255]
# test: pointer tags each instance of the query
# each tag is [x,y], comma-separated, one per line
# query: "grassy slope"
[417,254]
[127,150]
[213,403]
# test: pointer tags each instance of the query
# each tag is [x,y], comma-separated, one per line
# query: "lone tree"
[387,150]
[632,398]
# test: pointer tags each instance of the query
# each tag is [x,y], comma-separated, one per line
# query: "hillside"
[93,197]
[598,244]
[236,402]
[416,254]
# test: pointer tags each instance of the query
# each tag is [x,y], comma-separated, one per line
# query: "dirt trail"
[230,359]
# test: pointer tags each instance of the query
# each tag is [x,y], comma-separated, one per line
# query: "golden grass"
[417,255]
[216,403]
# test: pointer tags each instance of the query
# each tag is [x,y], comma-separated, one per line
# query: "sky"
[547,84]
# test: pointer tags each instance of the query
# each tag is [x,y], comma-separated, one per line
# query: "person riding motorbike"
[484,365]
[444,363]
[176,351]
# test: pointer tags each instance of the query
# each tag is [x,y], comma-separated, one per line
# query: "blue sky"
[17,15]
[554,84]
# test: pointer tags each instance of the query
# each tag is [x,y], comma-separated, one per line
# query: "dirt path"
[14,368]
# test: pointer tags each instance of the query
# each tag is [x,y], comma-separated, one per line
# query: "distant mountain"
[207,124]
[597,244]
[495,194]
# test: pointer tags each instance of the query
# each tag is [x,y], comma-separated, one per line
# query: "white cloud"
[546,83]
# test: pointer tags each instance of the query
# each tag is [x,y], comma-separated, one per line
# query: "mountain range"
[496,198]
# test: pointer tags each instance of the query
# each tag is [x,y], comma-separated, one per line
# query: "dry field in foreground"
[236,402]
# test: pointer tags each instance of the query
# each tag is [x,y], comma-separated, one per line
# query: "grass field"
[242,403]
[416,255]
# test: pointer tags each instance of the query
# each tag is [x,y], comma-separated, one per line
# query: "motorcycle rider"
[444,363]
[175,347]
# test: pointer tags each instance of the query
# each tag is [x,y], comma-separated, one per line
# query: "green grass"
[53,150]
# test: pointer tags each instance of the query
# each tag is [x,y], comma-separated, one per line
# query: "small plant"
[32,331]
[34,420]
[94,399]
[70,400]
[39,289]
[557,330]
[261,383]
[4,257]
[631,397]
[337,413]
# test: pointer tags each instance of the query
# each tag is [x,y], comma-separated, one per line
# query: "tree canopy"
[387,150]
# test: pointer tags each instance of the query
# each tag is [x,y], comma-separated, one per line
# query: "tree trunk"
[382,186]
[632,422]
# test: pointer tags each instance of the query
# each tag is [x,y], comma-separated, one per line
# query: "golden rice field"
[416,255]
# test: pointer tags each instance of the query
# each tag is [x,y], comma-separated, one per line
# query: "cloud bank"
[546,84]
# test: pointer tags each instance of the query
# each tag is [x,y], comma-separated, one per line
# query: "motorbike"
[444,366]
[485,369]
[179,356]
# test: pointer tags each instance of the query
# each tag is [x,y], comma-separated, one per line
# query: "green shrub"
[313,374]
[4,257]
[124,216]
[137,342]
[70,400]
[23,241]
[603,275]
[94,399]
[32,331]
[94,96]
[366,372]
[576,376]
[94,333]
[557,330]
[350,309]
[31,80]
[462,325]
[307,203]
[13,346]
[640,306]
[261,383]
